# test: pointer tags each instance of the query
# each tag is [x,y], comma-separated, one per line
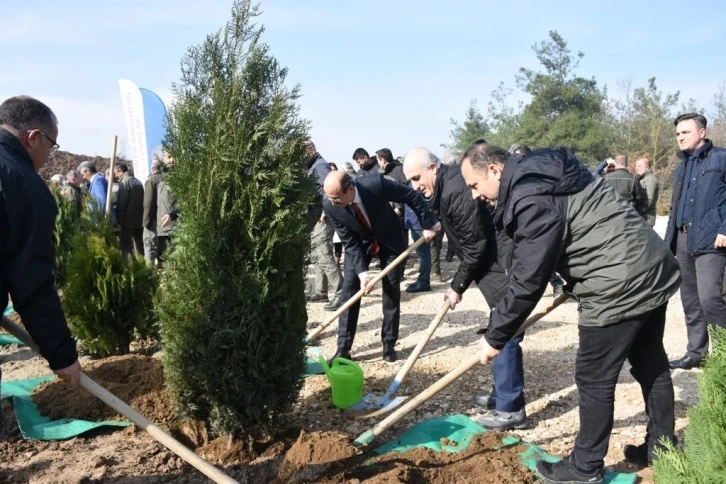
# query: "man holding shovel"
[361,212]
[560,217]
[469,228]
[28,134]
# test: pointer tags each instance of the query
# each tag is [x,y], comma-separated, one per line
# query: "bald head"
[421,167]
[339,188]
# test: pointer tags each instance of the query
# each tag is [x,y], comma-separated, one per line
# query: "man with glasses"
[361,212]
[28,132]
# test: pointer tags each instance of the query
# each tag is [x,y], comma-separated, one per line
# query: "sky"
[373,74]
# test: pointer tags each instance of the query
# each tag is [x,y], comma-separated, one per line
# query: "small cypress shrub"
[107,299]
[232,305]
[66,227]
[703,458]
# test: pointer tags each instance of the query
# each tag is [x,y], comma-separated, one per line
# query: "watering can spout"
[324,364]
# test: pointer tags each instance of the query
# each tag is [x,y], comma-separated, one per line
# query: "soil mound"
[137,380]
[320,448]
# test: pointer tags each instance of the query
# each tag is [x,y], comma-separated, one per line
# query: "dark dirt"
[137,380]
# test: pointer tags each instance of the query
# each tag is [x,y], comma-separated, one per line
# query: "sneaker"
[496,420]
[565,472]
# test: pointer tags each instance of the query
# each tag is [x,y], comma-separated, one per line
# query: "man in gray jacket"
[651,188]
[150,209]
[561,217]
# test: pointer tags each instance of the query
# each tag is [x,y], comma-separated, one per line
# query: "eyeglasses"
[54,146]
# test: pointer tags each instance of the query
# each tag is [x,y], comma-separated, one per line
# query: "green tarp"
[461,429]
[33,425]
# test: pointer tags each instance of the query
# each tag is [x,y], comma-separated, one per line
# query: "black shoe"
[418,287]
[449,258]
[334,305]
[317,297]
[685,363]
[340,354]
[485,401]
[565,472]
[637,454]
[389,353]
[496,420]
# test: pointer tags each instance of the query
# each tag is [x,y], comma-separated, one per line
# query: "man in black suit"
[361,213]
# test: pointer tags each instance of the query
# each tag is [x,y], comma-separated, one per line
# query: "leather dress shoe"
[334,304]
[340,354]
[485,401]
[389,353]
[317,297]
[418,287]
[685,363]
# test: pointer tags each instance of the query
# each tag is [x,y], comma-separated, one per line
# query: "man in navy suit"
[361,213]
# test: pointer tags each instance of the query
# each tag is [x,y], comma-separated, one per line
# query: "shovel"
[372,404]
[359,294]
[542,309]
[142,422]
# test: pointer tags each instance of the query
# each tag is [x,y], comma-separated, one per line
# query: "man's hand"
[720,242]
[323,218]
[453,297]
[70,373]
[487,352]
[367,286]
[428,235]
[166,220]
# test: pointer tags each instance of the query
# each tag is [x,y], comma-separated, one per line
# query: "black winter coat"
[27,220]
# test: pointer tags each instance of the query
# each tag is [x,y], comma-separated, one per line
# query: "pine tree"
[66,227]
[703,458]
[232,308]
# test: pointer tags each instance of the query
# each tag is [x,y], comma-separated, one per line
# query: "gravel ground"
[549,352]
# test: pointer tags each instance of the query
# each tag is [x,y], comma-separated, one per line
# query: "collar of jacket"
[369,166]
[11,141]
[391,166]
[701,152]
[315,158]
[435,203]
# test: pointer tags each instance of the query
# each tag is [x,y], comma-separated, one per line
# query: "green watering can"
[346,381]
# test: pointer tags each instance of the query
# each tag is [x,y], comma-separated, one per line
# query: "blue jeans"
[508,376]
[424,259]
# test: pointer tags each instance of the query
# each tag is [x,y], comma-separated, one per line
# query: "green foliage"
[66,228]
[703,458]
[473,128]
[232,305]
[107,300]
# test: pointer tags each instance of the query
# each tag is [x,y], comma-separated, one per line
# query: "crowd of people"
[519,220]
[516,220]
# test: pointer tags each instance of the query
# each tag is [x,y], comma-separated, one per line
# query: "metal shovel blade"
[373,405]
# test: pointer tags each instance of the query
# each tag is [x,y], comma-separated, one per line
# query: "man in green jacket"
[651,188]
[129,211]
[626,185]
[561,217]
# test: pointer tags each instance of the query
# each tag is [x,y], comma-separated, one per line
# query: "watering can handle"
[348,363]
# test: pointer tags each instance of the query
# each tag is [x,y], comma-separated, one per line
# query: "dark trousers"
[599,360]
[162,244]
[508,367]
[391,285]
[701,294]
[436,245]
[130,239]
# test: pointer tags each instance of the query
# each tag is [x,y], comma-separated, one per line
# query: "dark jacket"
[376,193]
[628,187]
[371,168]
[27,221]
[318,169]
[467,224]
[151,187]
[562,218]
[651,189]
[394,171]
[708,212]
[130,202]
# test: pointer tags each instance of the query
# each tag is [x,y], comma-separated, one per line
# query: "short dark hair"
[385,154]
[360,153]
[24,113]
[699,119]
[122,167]
[480,141]
[481,156]
[523,150]
[333,165]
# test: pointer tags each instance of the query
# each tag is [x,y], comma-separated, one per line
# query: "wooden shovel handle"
[142,422]
[542,309]
[359,294]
